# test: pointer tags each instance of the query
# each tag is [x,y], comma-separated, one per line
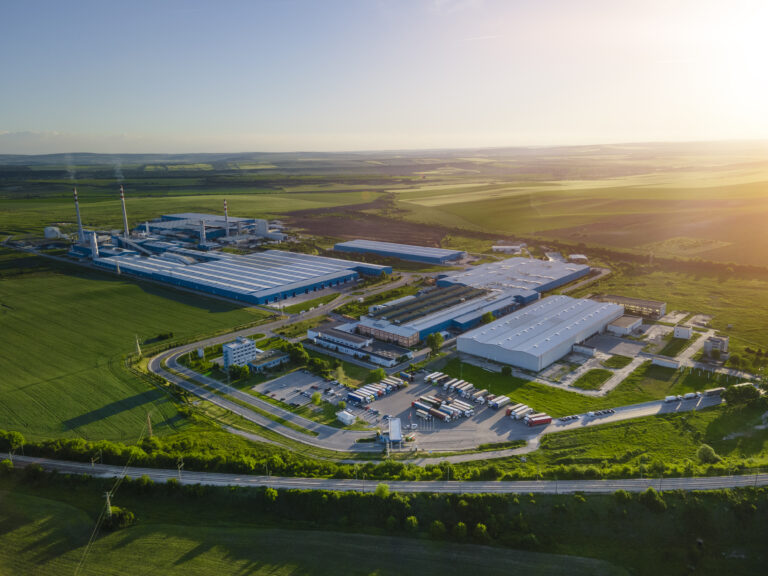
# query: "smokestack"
[80,235]
[226,217]
[202,231]
[146,228]
[239,228]
[125,214]
[94,246]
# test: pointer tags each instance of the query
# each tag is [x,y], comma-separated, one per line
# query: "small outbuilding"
[624,325]
[345,417]
[683,332]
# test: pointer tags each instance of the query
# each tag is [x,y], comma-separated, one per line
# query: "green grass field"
[64,332]
[307,304]
[593,379]
[676,345]
[617,361]
[646,383]
[47,537]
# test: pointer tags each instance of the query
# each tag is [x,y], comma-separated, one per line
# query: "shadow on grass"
[113,408]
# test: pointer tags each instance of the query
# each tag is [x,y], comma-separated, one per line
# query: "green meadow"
[64,333]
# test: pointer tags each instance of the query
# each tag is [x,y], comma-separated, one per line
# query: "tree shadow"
[113,408]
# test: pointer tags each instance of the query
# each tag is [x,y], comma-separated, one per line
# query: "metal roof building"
[402,251]
[257,278]
[541,333]
[517,273]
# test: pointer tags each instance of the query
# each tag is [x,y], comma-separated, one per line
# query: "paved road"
[542,486]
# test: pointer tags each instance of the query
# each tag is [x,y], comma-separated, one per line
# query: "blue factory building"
[258,278]
[424,254]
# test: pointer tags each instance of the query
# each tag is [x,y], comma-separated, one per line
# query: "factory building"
[540,334]
[517,274]
[641,307]
[625,325]
[268,360]
[424,254]
[357,346]
[258,278]
[457,307]
[239,352]
[206,228]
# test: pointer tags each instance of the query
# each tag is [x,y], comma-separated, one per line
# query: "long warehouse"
[402,251]
[539,334]
[257,278]
[517,274]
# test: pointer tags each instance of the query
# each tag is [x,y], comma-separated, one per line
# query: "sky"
[281,75]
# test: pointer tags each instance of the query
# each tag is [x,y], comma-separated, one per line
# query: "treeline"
[515,520]
[166,453]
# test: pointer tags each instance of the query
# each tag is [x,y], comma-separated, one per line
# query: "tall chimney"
[80,235]
[226,217]
[146,228]
[94,246]
[125,214]
[202,231]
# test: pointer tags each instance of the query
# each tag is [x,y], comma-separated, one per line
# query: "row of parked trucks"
[428,407]
[526,414]
[466,390]
[370,392]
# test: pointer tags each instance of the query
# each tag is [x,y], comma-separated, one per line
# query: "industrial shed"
[257,278]
[402,251]
[517,274]
[540,334]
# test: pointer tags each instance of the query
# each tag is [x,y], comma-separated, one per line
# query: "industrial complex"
[517,274]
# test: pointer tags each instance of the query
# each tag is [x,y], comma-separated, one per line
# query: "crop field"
[64,332]
[716,215]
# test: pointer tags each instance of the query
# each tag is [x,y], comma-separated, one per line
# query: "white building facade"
[239,352]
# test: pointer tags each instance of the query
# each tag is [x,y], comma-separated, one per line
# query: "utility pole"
[149,425]
[180,465]
[109,504]
[138,348]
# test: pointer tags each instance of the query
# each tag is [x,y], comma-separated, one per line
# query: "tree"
[119,518]
[411,524]
[376,375]
[437,530]
[652,500]
[435,342]
[480,534]
[340,375]
[6,467]
[382,490]
[316,398]
[487,318]
[707,455]
[506,370]
[270,494]
[342,405]
[460,531]
[741,394]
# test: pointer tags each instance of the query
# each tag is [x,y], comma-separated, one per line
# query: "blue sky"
[172,76]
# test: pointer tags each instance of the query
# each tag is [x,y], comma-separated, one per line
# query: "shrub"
[707,455]
[119,518]
[437,530]
[652,500]
[411,524]
[506,371]
[270,494]
[480,534]
[382,490]
[460,531]
[622,496]
[6,467]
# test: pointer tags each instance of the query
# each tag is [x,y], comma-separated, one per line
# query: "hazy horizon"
[180,77]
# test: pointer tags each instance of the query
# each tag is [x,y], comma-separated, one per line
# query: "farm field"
[64,332]
[715,215]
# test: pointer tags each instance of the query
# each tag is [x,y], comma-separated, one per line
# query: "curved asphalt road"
[542,486]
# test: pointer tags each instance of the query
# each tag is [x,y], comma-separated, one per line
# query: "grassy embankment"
[593,379]
[203,530]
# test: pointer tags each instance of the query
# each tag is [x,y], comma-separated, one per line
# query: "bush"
[707,455]
[622,496]
[382,491]
[506,371]
[6,467]
[652,500]
[411,524]
[437,530]
[741,394]
[460,531]
[270,495]
[376,375]
[120,518]
[480,534]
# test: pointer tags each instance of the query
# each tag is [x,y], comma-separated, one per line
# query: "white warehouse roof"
[540,333]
